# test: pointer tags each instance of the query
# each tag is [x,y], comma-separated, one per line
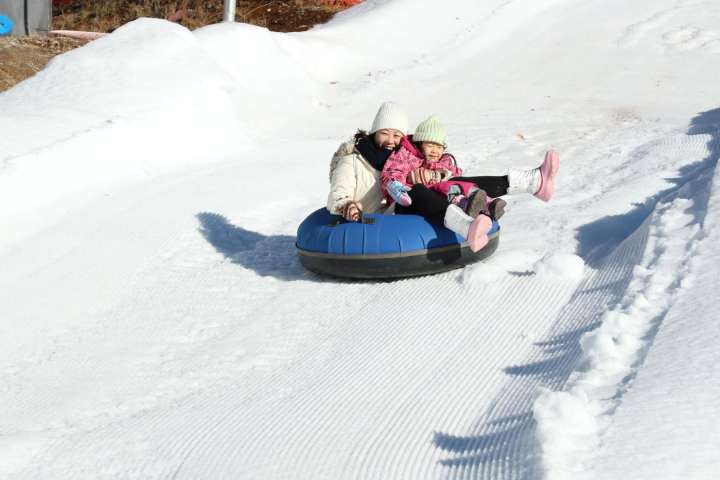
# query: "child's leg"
[539,181]
[436,209]
[493,186]
[473,230]
[426,203]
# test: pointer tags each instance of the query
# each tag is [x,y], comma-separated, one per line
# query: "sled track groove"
[347,411]
[342,414]
[371,405]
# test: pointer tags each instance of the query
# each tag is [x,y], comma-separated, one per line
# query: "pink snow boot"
[548,170]
[477,233]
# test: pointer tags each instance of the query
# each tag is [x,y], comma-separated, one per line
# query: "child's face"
[388,138]
[432,151]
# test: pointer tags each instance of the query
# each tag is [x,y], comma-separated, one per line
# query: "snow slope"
[154,320]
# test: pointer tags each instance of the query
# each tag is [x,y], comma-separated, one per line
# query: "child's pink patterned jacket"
[407,159]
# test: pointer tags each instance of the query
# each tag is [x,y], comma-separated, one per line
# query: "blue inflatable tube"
[383,246]
[6,25]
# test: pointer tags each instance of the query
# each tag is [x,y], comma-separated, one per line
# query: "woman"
[356,166]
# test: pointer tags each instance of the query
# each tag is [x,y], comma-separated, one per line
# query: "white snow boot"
[523,181]
[473,230]
[539,181]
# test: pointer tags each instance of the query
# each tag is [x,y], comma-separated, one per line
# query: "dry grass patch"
[22,57]
[277,15]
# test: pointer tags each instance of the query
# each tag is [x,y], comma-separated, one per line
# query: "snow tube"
[383,246]
[6,25]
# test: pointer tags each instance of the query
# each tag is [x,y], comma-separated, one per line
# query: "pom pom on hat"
[390,115]
[431,130]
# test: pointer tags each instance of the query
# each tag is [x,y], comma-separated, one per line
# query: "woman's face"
[387,138]
[432,151]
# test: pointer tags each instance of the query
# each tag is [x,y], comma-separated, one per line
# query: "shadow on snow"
[267,255]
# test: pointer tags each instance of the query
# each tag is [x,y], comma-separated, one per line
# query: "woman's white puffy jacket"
[353,178]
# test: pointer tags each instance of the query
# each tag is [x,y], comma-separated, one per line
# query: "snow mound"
[142,102]
[560,265]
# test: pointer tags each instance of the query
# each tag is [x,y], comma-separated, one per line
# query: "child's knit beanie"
[390,115]
[431,130]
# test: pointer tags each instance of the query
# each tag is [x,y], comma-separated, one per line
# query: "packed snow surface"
[155,321]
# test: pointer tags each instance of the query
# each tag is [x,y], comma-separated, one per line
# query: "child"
[442,196]
[423,156]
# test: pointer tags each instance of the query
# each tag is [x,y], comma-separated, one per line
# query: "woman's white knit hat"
[390,115]
[431,130]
